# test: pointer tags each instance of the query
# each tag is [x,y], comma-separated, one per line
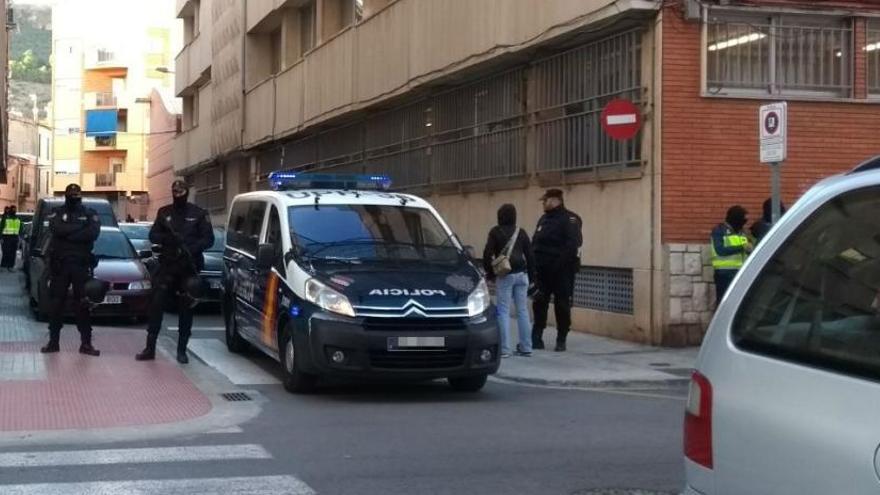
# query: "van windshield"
[370,233]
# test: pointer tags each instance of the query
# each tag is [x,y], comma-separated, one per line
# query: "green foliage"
[31,44]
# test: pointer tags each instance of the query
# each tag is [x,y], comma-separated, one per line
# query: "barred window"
[872,53]
[571,89]
[208,189]
[397,144]
[779,55]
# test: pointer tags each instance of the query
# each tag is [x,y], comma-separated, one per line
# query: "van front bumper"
[369,351]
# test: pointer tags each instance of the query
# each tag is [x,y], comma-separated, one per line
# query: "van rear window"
[817,301]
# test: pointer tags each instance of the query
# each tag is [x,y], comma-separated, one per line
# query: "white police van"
[335,275]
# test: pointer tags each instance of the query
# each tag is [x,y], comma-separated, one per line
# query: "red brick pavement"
[113,390]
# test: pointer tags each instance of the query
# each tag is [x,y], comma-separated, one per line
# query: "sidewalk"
[67,390]
[599,362]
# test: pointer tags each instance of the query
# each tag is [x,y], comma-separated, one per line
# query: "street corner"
[70,391]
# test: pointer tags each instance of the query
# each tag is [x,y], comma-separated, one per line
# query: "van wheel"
[468,383]
[294,380]
[234,342]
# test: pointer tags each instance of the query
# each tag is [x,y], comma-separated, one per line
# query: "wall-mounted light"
[741,40]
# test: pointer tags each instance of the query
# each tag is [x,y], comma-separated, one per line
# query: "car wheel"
[294,380]
[468,383]
[234,342]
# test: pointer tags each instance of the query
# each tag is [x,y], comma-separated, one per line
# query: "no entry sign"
[621,119]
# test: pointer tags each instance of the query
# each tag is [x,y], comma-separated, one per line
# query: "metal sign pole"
[775,190]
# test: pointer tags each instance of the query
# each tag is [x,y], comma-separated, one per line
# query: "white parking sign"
[773,134]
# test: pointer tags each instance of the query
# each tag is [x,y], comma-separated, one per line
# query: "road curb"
[597,384]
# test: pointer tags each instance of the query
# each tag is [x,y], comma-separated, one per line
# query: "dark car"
[118,263]
[40,224]
[139,235]
[212,274]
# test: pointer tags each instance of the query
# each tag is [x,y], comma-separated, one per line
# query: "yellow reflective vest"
[732,254]
[12,226]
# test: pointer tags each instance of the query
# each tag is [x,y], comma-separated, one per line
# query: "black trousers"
[723,279]
[10,246]
[63,274]
[168,283]
[559,287]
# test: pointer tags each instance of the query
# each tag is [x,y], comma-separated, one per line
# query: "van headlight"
[478,301]
[327,299]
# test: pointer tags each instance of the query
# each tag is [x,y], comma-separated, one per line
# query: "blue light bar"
[282,181]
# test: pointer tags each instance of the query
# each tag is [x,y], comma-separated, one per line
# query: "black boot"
[560,346]
[181,350]
[87,349]
[51,347]
[537,339]
[149,352]
[560,340]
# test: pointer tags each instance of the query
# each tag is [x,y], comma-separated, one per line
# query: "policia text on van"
[332,275]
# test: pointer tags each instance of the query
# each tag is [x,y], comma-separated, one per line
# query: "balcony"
[192,147]
[102,58]
[108,182]
[105,180]
[192,66]
[101,143]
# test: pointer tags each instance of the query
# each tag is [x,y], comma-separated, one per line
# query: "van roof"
[302,197]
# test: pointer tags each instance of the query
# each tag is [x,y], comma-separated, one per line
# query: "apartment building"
[107,58]
[474,104]
[165,113]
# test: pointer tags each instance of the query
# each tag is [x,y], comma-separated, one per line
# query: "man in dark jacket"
[183,230]
[506,239]
[556,243]
[73,229]
[763,226]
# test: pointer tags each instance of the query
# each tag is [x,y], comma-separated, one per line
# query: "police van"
[337,276]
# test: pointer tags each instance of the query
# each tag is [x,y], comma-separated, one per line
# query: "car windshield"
[219,241]
[112,244]
[136,231]
[370,233]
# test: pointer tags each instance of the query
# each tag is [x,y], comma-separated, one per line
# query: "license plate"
[112,300]
[404,343]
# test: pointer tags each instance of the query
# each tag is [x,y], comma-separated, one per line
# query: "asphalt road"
[376,439]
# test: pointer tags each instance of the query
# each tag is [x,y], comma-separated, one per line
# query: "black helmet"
[95,290]
[194,287]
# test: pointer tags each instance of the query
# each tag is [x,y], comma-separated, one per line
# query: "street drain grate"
[236,396]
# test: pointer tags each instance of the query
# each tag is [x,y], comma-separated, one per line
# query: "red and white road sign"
[621,119]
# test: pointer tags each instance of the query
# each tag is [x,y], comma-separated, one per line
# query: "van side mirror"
[265,256]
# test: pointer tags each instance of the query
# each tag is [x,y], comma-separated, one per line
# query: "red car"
[118,263]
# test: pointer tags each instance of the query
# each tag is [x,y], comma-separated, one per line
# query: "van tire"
[468,383]
[295,380]
[234,341]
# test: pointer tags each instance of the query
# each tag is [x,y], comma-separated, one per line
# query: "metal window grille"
[208,187]
[105,100]
[341,150]
[872,53]
[570,90]
[479,130]
[779,55]
[105,180]
[604,289]
[397,143]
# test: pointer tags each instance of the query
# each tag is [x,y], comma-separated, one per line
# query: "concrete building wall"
[164,120]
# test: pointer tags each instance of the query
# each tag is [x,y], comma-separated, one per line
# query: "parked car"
[786,391]
[118,264]
[139,235]
[212,274]
[40,224]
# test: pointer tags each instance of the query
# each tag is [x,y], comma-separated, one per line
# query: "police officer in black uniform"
[183,232]
[73,229]
[556,243]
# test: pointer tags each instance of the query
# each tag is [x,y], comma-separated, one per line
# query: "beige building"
[476,103]
[107,58]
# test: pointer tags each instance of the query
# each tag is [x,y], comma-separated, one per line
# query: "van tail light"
[698,421]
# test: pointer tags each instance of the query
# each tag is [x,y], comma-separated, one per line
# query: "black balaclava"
[768,209]
[180,192]
[72,196]
[13,211]
[736,217]
[507,215]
